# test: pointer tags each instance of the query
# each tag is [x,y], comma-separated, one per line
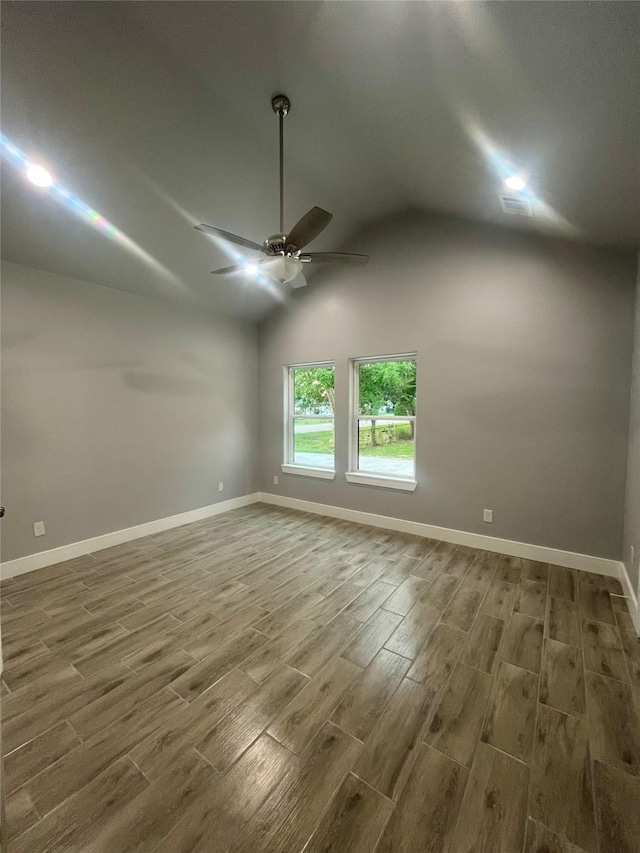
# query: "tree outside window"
[310,423]
[385,417]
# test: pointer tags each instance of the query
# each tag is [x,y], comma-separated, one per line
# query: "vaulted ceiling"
[157,116]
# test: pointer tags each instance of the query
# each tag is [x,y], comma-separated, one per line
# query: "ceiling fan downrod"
[281,106]
[282,253]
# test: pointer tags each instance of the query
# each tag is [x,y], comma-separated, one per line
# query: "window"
[309,420]
[383,428]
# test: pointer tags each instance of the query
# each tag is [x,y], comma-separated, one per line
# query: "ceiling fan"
[283,253]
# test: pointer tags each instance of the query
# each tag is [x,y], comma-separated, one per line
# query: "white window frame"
[354,474]
[289,466]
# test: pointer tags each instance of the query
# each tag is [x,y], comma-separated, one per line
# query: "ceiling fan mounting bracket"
[281,105]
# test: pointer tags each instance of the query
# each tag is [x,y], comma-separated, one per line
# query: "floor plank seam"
[588,722]
[534,744]
[324,563]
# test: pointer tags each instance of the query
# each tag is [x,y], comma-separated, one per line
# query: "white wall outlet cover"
[220,487]
[275,481]
[38,528]
[487,515]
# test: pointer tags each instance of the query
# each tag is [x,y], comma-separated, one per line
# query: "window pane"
[313,442]
[386,447]
[387,388]
[313,391]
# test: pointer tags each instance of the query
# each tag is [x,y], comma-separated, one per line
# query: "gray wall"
[524,358]
[632,514]
[116,409]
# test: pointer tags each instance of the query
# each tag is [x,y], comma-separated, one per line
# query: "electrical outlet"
[275,481]
[38,528]
[487,515]
[220,487]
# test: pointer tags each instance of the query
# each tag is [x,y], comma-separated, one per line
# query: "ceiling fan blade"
[308,228]
[330,257]
[231,238]
[239,268]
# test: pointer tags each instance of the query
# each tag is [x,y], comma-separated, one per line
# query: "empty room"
[320,427]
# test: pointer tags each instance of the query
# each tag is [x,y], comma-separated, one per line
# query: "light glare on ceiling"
[10,152]
[515,182]
[251,269]
[39,176]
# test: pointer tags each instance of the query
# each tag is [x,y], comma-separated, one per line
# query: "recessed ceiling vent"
[515,206]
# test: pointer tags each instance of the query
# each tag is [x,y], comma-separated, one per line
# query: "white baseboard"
[632,598]
[569,559]
[118,537]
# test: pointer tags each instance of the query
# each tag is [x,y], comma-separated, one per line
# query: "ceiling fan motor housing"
[275,244]
[283,265]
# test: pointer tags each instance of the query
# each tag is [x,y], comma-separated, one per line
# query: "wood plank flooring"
[269,681]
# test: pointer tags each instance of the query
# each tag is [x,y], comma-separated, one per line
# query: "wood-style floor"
[272,682]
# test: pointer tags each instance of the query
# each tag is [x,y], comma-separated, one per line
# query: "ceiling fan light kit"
[284,258]
[283,268]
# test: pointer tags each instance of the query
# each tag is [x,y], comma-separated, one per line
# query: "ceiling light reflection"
[515,182]
[505,169]
[265,281]
[38,174]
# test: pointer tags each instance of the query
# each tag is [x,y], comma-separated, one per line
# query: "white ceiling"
[157,115]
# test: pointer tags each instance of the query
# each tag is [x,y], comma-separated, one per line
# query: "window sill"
[381,481]
[301,471]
